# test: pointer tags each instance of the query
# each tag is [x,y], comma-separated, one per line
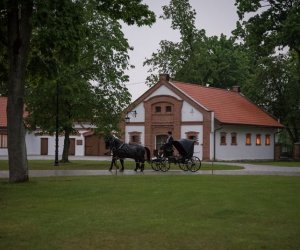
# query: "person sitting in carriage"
[166,150]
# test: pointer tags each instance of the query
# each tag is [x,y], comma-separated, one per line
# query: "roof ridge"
[189,96]
[207,87]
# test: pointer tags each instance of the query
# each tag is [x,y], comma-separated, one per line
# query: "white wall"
[133,128]
[189,113]
[3,152]
[140,113]
[33,144]
[198,149]
[79,149]
[163,90]
[241,151]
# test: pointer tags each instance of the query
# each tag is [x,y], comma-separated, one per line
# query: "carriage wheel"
[164,165]
[184,165]
[155,165]
[194,164]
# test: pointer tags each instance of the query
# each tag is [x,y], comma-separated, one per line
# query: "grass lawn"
[91,165]
[277,163]
[151,212]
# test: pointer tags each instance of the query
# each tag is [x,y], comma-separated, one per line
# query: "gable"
[163,91]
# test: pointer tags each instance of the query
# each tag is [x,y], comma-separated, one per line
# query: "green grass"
[151,212]
[91,165]
[277,163]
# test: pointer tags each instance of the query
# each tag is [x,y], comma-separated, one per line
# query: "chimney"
[236,89]
[164,77]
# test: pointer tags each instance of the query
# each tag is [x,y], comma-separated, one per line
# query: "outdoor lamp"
[133,113]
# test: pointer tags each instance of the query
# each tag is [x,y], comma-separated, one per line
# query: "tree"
[275,88]
[17,16]
[102,45]
[271,27]
[217,61]
[171,56]
[272,24]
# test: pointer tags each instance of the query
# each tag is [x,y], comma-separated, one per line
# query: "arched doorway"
[160,140]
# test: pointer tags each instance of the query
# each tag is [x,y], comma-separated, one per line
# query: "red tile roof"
[3,119]
[230,107]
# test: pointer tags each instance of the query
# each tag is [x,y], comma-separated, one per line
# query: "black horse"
[122,150]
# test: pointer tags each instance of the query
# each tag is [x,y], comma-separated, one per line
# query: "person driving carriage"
[167,149]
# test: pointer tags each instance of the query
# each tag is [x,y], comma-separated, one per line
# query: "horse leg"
[137,165]
[111,164]
[143,165]
[122,165]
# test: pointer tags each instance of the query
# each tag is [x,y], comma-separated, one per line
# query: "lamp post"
[133,113]
[56,127]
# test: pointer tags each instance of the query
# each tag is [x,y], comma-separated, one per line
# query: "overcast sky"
[215,16]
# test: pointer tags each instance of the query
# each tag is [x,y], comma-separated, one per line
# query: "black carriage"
[185,158]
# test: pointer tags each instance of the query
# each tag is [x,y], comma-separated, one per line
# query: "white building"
[84,142]
[224,123]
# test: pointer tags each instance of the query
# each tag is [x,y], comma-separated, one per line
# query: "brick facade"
[159,123]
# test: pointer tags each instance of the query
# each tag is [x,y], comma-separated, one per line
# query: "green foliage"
[272,24]
[219,62]
[171,56]
[72,44]
[270,29]
[130,11]
[87,48]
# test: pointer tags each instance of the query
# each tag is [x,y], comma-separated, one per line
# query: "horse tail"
[148,153]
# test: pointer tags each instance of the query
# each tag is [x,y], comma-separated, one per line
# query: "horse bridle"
[114,149]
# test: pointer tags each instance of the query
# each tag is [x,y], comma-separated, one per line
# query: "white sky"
[215,16]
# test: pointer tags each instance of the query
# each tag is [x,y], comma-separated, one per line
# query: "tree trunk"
[19,33]
[65,155]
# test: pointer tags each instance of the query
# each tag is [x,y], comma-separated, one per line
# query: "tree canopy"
[218,61]
[262,56]
[271,29]
[55,54]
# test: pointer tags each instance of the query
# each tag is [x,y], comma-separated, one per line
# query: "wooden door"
[72,146]
[44,146]
[95,146]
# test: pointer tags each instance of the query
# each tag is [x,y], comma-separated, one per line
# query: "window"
[248,139]
[193,135]
[135,137]
[267,140]
[223,138]
[168,109]
[233,139]
[3,141]
[157,109]
[258,139]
